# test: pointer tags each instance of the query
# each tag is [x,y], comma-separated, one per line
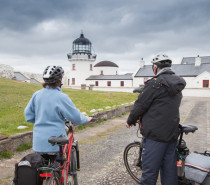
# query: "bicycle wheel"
[133,160]
[72,175]
[54,180]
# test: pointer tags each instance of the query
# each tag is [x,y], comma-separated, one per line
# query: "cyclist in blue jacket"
[158,106]
[48,108]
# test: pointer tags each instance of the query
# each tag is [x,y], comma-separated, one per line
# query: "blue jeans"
[159,156]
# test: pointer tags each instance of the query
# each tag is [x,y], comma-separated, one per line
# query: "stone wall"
[13,142]
[6,71]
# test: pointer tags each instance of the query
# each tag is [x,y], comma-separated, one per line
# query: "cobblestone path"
[102,157]
[101,153]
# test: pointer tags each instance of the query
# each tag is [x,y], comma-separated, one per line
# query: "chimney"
[197,61]
[142,63]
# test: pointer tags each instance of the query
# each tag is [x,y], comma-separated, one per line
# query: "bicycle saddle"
[58,140]
[189,128]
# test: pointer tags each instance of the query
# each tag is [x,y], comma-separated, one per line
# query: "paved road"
[102,147]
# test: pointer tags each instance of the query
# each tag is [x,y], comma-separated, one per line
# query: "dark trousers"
[159,156]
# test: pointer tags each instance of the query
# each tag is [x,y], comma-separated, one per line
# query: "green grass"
[24,147]
[15,95]
[6,154]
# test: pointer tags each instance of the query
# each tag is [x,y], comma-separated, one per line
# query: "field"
[14,96]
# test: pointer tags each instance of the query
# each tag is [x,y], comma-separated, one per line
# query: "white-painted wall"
[106,70]
[114,83]
[205,92]
[82,69]
[139,81]
[197,82]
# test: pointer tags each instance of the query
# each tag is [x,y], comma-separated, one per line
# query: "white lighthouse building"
[81,61]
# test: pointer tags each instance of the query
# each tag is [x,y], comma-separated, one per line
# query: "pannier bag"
[26,171]
[197,168]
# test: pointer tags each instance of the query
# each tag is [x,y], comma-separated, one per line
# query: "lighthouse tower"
[81,61]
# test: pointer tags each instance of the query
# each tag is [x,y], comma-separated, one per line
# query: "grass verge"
[15,95]
[6,154]
[24,146]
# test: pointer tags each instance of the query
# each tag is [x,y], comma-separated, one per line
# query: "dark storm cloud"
[120,30]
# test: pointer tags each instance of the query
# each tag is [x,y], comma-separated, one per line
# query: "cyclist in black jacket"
[158,107]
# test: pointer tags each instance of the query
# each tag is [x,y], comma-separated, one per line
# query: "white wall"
[106,70]
[82,70]
[139,81]
[197,82]
[114,83]
[196,92]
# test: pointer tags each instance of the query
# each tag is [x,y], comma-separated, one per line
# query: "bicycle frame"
[66,151]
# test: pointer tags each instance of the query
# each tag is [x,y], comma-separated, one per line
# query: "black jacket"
[158,105]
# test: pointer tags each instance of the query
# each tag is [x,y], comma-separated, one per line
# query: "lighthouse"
[81,61]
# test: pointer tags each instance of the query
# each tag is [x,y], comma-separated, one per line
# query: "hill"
[15,95]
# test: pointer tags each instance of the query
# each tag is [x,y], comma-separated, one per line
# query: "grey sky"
[37,33]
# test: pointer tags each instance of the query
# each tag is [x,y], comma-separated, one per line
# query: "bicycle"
[133,158]
[63,171]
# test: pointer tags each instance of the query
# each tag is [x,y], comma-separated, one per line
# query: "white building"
[195,71]
[104,74]
[81,61]
[82,71]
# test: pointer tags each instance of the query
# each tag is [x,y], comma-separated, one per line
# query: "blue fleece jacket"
[48,108]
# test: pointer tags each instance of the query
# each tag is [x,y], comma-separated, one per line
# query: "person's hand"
[128,126]
[89,118]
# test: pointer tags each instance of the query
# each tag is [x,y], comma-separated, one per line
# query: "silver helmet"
[162,61]
[52,74]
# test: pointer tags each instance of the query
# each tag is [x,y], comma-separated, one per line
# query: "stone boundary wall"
[13,142]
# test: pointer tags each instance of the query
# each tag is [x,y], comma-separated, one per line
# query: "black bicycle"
[133,156]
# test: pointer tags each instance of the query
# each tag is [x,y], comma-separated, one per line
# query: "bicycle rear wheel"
[54,180]
[133,160]
[72,175]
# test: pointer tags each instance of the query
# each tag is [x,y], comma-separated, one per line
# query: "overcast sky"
[38,33]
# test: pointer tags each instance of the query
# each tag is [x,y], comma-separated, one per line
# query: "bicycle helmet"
[52,74]
[162,61]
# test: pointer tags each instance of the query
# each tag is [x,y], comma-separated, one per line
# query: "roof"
[19,76]
[110,77]
[82,40]
[106,64]
[33,80]
[184,70]
[191,60]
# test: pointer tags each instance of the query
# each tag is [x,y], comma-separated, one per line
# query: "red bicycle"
[63,171]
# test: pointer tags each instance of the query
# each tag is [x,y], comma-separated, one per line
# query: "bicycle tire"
[54,180]
[72,175]
[133,160]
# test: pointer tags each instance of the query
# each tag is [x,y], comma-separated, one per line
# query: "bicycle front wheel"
[133,160]
[54,180]
[72,174]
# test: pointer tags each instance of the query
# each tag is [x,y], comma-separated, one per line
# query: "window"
[73,67]
[122,83]
[108,83]
[73,81]
[205,83]
[102,73]
[91,67]
[96,83]
[68,81]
